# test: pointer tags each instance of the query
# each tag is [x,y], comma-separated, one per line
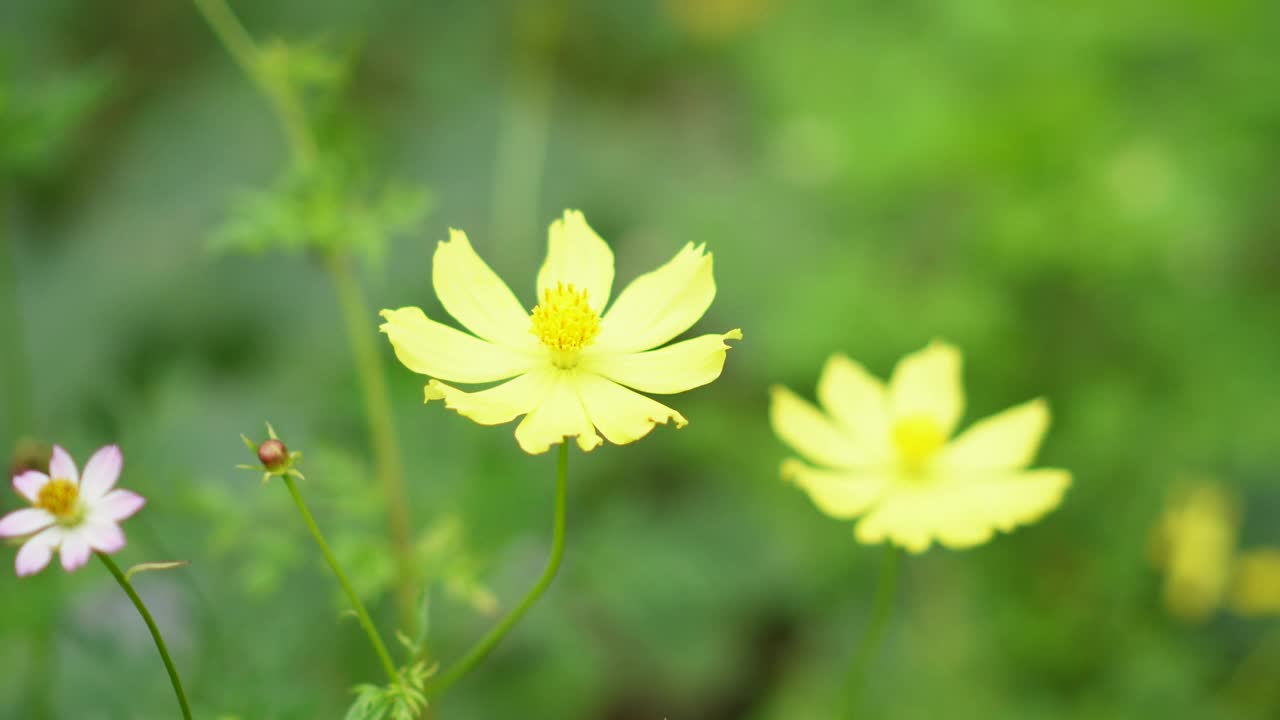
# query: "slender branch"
[155,632]
[246,53]
[382,435]
[870,644]
[361,613]
[486,645]
[289,111]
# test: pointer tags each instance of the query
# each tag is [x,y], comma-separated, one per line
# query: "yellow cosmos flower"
[1195,545]
[569,367]
[885,453]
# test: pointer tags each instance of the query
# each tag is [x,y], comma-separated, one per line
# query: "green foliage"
[1080,196]
[329,200]
[310,71]
[41,118]
[333,206]
[399,701]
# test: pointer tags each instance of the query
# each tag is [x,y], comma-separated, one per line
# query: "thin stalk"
[290,113]
[486,645]
[361,613]
[870,645]
[155,632]
[246,53]
[382,435]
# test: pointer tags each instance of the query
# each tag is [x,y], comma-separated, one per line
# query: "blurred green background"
[1085,196]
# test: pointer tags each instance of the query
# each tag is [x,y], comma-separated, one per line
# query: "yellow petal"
[427,347]
[838,493]
[1007,440]
[858,401]
[660,305]
[1257,585]
[1200,530]
[961,512]
[496,405]
[559,415]
[577,256]
[476,297]
[927,384]
[811,433]
[621,415]
[672,369]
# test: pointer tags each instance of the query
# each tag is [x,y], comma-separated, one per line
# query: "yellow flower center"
[565,323]
[918,439]
[61,498]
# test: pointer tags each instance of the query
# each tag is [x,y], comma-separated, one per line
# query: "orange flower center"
[61,498]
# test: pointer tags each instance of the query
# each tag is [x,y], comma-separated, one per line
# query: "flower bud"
[274,455]
[29,454]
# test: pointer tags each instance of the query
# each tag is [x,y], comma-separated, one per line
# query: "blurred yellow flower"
[717,19]
[1195,546]
[1256,590]
[886,453]
[570,367]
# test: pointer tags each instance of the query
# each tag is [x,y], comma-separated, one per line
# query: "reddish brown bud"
[274,455]
[29,454]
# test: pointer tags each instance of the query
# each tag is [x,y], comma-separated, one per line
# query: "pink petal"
[24,522]
[28,484]
[116,506]
[36,553]
[62,466]
[101,473]
[74,550]
[103,537]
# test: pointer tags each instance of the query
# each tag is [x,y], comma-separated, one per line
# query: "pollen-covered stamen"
[565,323]
[918,439]
[61,498]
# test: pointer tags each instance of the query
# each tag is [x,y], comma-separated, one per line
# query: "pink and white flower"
[72,513]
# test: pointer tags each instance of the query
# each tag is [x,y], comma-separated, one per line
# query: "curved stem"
[382,435]
[155,632]
[491,640]
[361,613]
[857,676]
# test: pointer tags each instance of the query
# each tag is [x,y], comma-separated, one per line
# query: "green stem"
[246,53]
[361,613]
[385,445]
[382,435]
[491,640]
[857,676]
[155,632]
